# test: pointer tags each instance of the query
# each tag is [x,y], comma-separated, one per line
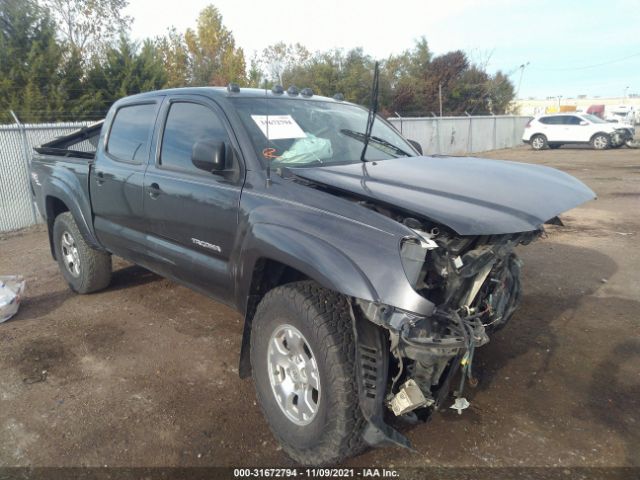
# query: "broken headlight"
[413,252]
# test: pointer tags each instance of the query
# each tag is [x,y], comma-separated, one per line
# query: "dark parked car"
[367,273]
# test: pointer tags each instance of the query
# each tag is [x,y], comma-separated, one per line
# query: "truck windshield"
[297,132]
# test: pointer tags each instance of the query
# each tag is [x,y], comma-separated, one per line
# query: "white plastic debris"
[11,292]
[409,398]
[460,404]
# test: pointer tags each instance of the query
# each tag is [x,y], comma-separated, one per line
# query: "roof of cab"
[226,92]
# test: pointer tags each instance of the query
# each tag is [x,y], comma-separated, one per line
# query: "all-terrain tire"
[93,269]
[538,142]
[323,319]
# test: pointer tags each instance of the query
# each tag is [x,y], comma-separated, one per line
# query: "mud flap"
[372,362]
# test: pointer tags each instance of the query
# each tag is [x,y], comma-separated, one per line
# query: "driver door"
[574,131]
[192,213]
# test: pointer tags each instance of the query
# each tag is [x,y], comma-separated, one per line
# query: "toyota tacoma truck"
[367,273]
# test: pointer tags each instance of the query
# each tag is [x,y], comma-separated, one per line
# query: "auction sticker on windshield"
[278,127]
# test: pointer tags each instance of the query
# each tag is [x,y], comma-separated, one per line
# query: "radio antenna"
[266,101]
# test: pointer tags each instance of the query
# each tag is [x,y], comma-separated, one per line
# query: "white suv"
[556,130]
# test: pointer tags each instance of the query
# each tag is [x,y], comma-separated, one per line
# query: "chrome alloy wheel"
[600,142]
[537,143]
[293,374]
[70,254]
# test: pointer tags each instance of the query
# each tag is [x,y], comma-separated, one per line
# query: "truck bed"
[60,170]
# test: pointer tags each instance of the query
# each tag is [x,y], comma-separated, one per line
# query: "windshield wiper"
[373,139]
[373,109]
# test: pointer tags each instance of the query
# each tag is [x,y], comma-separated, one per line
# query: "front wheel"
[600,141]
[303,366]
[85,269]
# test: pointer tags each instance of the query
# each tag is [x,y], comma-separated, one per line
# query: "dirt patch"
[40,358]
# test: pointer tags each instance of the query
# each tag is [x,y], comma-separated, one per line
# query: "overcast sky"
[573,47]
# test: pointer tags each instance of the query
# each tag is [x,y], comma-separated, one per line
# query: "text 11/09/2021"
[315,473]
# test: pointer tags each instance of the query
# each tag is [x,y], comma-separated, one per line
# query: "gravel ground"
[145,373]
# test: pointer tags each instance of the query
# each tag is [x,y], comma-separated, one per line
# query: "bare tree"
[88,26]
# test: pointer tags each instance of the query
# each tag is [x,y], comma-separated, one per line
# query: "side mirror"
[584,123]
[209,156]
[416,145]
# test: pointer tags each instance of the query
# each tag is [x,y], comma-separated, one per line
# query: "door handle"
[154,190]
[99,178]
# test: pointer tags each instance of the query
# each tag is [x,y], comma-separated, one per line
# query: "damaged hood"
[472,196]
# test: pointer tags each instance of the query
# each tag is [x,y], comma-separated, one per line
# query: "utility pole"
[522,67]
[440,96]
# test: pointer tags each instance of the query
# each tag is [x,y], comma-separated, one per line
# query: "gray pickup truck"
[367,273]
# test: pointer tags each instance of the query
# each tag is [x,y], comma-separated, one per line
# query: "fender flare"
[62,191]
[315,258]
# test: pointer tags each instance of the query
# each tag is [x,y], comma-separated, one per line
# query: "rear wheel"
[538,142]
[85,269]
[303,364]
[600,141]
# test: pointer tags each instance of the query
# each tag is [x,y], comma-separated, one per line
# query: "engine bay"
[474,281]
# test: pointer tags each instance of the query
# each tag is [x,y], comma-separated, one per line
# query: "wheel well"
[600,133]
[267,275]
[53,207]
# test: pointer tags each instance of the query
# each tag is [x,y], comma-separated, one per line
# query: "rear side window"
[187,124]
[131,132]
[551,120]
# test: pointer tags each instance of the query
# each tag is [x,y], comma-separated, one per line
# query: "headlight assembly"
[413,252]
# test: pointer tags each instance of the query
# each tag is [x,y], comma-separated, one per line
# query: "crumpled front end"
[474,281]
[622,135]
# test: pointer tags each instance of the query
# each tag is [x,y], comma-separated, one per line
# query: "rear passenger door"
[116,180]
[192,213]
[552,128]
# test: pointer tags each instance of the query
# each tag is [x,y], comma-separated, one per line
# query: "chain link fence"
[462,135]
[17,209]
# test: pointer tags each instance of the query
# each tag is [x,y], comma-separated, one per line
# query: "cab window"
[188,123]
[130,133]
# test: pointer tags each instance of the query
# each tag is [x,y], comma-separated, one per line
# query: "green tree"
[254,74]
[126,70]
[405,77]
[501,93]
[175,57]
[213,55]
[336,71]
[29,58]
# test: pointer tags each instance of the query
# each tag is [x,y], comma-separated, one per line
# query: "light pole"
[521,67]
[624,97]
